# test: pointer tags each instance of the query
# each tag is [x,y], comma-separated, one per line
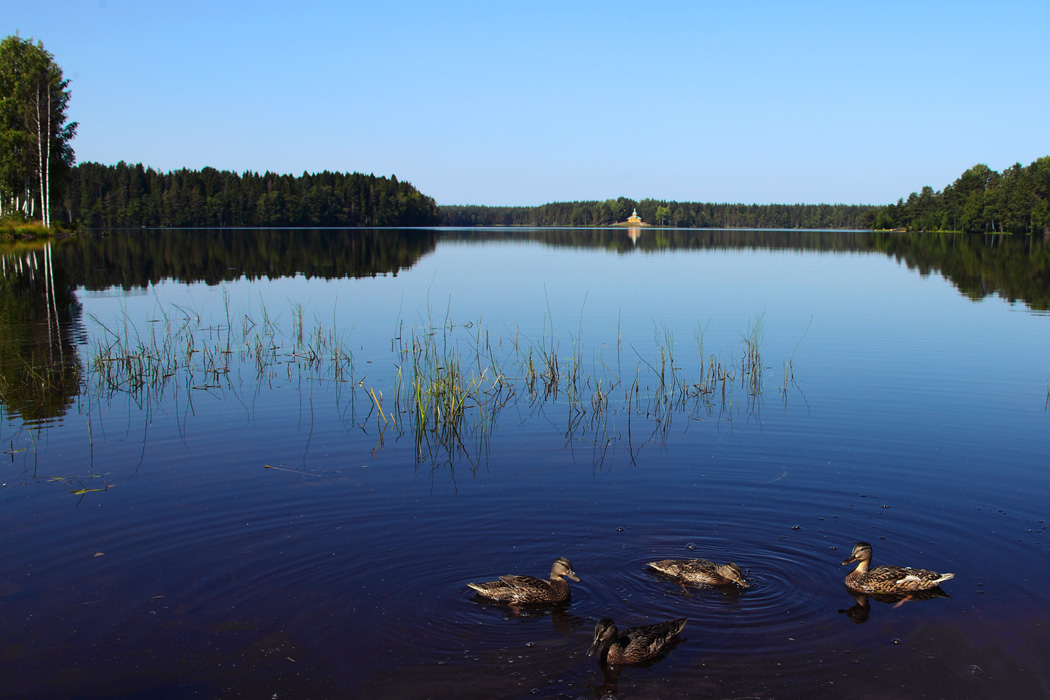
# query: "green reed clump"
[450,383]
[446,403]
[751,364]
[196,356]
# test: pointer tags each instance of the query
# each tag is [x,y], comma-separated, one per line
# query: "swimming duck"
[701,571]
[525,590]
[887,579]
[634,645]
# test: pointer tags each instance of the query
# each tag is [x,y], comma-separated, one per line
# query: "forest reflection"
[40,322]
[40,316]
[1015,267]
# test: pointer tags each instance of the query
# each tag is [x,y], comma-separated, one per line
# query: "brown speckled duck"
[701,571]
[527,590]
[887,579]
[634,645]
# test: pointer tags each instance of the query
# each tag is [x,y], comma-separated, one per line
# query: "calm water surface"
[899,398]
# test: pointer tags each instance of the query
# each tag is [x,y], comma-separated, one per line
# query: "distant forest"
[980,201]
[663,213]
[119,196]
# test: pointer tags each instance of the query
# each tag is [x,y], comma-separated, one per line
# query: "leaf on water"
[81,492]
[99,554]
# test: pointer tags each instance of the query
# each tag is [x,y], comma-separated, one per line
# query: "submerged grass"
[450,382]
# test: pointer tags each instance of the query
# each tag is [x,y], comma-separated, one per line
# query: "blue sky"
[524,103]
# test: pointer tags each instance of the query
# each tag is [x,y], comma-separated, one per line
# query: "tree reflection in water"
[40,316]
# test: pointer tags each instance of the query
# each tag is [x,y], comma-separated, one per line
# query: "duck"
[526,590]
[701,571]
[887,579]
[634,645]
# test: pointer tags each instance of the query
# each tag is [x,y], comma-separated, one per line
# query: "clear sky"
[504,102]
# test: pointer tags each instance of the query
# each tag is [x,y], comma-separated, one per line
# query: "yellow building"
[634,218]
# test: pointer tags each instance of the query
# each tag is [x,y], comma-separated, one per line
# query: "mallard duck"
[523,590]
[701,571]
[636,644]
[887,579]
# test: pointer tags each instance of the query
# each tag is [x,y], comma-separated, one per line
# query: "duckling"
[887,579]
[525,590]
[636,644]
[701,571]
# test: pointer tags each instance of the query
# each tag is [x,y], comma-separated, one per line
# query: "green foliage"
[663,213]
[123,196]
[18,227]
[35,134]
[979,201]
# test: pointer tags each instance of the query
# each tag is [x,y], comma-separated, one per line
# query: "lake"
[243,463]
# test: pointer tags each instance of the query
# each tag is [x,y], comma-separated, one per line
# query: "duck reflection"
[861,609]
[562,620]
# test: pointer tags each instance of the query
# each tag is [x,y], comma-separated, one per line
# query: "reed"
[751,364]
[450,383]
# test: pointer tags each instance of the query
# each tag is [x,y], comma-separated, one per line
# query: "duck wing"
[525,583]
[682,567]
[649,640]
[905,578]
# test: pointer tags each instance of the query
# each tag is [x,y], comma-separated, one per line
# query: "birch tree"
[35,134]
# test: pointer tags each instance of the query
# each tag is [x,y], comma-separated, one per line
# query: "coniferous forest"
[121,195]
[981,200]
[662,213]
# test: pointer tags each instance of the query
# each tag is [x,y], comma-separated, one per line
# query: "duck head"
[861,552]
[563,567]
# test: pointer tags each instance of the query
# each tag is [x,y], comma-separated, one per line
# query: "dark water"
[901,400]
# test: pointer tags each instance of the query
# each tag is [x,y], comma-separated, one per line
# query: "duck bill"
[595,646]
[573,576]
[848,560]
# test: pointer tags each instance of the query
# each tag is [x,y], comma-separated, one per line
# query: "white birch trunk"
[40,159]
[47,162]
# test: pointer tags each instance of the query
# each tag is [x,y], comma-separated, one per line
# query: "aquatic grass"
[751,363]
[449,383]
[190,355]
[449,405]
